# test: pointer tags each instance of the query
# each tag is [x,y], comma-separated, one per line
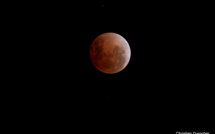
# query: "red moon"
[110,53]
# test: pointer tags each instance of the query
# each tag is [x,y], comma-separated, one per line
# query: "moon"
[110,53]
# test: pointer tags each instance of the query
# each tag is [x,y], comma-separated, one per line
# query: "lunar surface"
[110,53]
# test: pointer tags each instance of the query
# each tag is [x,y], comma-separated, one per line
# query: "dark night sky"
[164,88]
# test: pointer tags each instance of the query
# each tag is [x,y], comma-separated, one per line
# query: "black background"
[165,88]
